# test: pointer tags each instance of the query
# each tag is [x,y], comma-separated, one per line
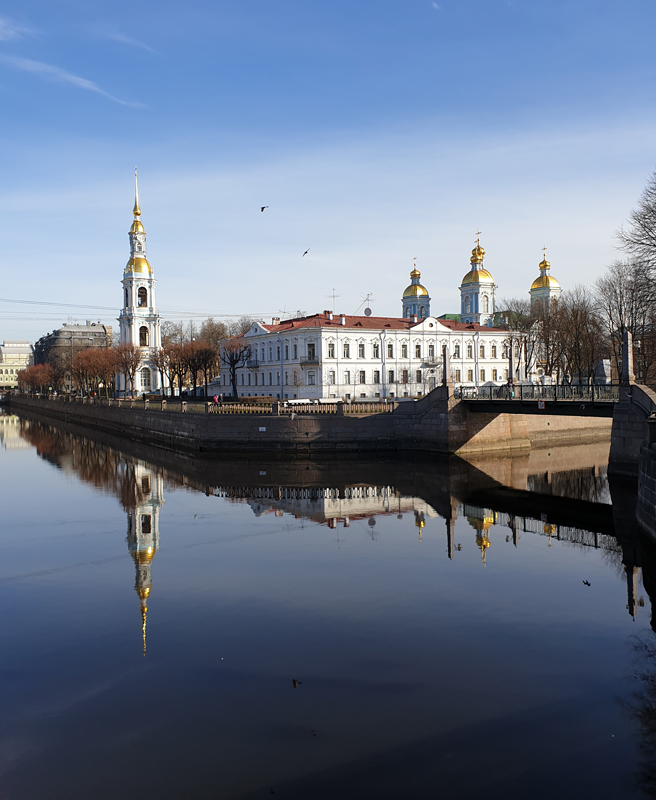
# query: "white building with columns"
[328,355]
[139,320]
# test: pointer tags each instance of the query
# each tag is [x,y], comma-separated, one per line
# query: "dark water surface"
[157,611]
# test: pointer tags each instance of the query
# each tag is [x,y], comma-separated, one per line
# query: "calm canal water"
[180,628]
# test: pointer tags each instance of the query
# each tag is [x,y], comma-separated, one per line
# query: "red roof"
[366,323]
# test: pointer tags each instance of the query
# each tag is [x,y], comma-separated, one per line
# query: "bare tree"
[235,354]
[625,302]
[240,326]
[519,319]
[172,332]
[162,362]
[638,236]
[584,344]
[128,360]
[213,332]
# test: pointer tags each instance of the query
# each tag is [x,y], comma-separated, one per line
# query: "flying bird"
[306,252]
[263,207]
[587,583]
[296,683]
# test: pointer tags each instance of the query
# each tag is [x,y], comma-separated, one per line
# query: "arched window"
[142,294]
[422,312]
[126,298]
[143,338]
[467,305]
[486,304]
[145,378]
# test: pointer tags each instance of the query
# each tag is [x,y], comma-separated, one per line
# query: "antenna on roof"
[367,298]
[333,295]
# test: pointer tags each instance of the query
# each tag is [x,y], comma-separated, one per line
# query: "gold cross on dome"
[544,252]
[478,236]
[415,260]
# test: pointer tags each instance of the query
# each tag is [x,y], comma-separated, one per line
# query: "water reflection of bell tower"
[143,533]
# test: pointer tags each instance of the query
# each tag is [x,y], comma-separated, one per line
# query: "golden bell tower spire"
[136,210]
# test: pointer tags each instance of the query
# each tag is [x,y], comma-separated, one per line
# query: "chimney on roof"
[329,314]
[275,321]
[413,318]
[342,319]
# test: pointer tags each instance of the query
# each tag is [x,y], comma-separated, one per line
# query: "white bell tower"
[139,320]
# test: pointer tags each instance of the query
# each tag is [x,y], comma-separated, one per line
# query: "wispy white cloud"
[112,34]
[436,6]
[56,74]
[116,36]
[10,31]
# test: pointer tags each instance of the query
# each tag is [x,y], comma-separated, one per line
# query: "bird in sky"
[306,252]
[296,683]
[263,207]
[587,583]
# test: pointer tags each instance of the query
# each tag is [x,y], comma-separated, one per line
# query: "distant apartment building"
[14,356]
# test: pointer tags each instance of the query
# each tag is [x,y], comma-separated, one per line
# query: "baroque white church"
[328,355]
[139,320]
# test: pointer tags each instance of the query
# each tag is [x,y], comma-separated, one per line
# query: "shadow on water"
[560,494]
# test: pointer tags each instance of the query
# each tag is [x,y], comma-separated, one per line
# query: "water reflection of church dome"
[482,524]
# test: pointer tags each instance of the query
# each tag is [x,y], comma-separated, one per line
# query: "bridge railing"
[555,393]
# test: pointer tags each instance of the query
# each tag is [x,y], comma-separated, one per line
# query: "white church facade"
[328,355]
[139,319]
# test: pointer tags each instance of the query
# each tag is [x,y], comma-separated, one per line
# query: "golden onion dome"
[138,266]
[477,276]
[544,264]
[415,290]
[477,254]
[144,593]
[415,273]
[545,282]
[137,227]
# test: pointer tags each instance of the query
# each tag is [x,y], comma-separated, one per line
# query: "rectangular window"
[431,351]
[347,377]
[494,351]
[263,354]
[482,376]
[457,376]
[376,350]
[311,351]
[361,350]
[418,376]
[295,352]
[470,374]
[494,375]
[347,350]
[311,378]
[331,377]
[331,350]
[376,376]
[405,376]
[404,351]
[277,379]
[270,354]
[270,379]
[456,351]
[390,351]
[278,353]
[417,351]
[390,376]
[249,378]
[362,376]
[504,352]
[470,351]
[505,374]
[242,378]
[482,351]
[286,352]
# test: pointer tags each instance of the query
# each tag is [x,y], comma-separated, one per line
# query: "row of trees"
[569,337]
[565,339]
[190,356]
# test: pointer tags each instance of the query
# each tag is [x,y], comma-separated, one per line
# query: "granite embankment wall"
[438,424]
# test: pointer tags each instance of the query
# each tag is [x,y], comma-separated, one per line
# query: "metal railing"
[560,393]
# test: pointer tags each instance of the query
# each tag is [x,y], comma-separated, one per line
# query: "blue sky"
[375,130]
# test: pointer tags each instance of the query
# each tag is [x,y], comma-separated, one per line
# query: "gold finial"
[544,264]
[478,236]
[415,272]
[136,210]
